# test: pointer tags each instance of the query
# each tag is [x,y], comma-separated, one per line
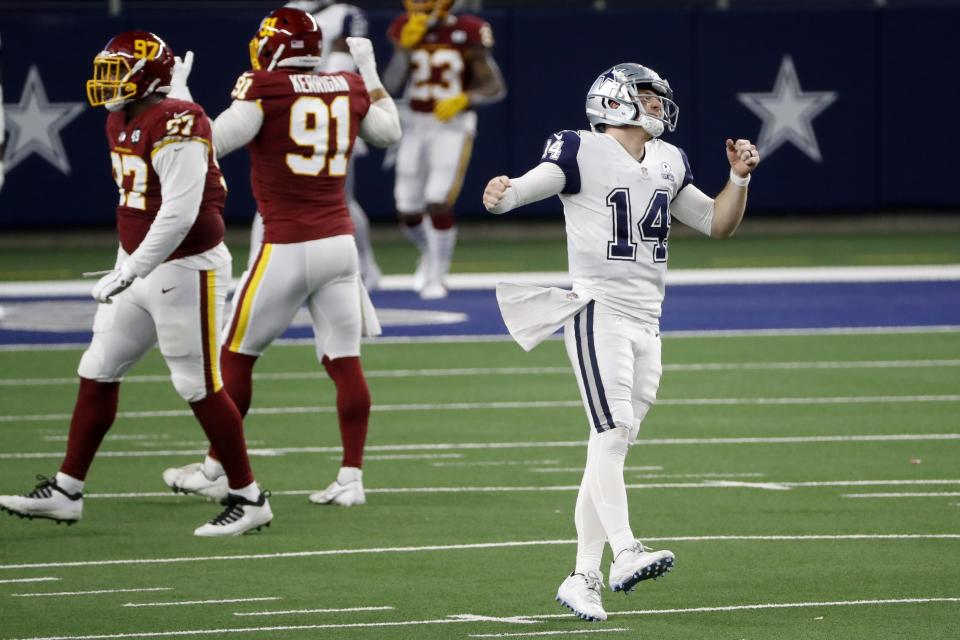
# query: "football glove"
[446,109]
[179,75]
[113,283]
[413,31]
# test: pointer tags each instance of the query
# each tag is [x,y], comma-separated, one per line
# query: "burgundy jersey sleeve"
[132,147]
[299,158]
[478,31]
[393,31]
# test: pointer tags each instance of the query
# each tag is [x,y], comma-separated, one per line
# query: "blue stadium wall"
[861,104]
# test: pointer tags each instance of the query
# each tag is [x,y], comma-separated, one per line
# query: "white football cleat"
[433,290]
[637,563]
[238,517]
[191,479]
[47,500]
[420,274]
[346,491]
[581,594]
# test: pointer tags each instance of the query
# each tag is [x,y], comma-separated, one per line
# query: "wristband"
[737,180]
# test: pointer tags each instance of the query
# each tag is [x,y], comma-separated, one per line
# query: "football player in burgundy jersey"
[168,286]
[338,21]
[300,127]
[446,64]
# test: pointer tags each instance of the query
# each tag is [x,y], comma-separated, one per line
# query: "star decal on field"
[35,124]
[788,112]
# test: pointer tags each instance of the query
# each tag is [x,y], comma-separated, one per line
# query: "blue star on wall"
[35,124]
[788,112]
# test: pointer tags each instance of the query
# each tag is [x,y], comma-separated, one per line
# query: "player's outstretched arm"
[731,202]
[381,126]
[504,194]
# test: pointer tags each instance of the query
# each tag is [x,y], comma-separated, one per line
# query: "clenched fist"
[743,157]
[494,193]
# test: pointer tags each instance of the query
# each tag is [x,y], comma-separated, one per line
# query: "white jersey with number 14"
[618,217]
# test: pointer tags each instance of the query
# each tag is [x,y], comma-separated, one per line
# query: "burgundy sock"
[442,220]
[221,421]
[93,414]
[353,406]
[237,371]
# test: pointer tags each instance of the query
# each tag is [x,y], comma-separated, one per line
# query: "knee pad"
[93,365]
[191,388]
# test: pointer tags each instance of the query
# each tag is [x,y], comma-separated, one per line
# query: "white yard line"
[410,456]
[197,602]
[468,619]
[496,463]
[471,446]
[709,484]
[296,611]
[944,494]
[479,339]
[528,634]
[486,371]
[88,593]
[17,580]
[520,404]
[482,545]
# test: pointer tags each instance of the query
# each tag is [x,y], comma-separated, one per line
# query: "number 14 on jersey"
[653,227]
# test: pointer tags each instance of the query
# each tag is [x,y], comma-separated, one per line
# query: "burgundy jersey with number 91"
[299,158]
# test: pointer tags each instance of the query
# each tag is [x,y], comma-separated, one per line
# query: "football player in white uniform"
[620,186]
[338,21]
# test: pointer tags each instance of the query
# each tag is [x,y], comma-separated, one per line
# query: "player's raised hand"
[493,194]
[361,49]
[414,29]
[179,75]
[743,156]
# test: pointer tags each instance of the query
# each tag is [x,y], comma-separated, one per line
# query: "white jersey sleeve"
[236,126]
[182,169]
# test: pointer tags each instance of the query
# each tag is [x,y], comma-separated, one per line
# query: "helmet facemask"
[112,84]
[655,111]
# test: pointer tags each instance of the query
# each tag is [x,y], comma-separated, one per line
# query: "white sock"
[445,240]
[606,453]
[212,468]
[69,483]
[250,492]
[590,536]
[349,474]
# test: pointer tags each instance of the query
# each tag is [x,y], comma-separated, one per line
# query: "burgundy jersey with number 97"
[299,158]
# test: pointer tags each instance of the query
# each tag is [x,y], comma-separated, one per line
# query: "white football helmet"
[614,98]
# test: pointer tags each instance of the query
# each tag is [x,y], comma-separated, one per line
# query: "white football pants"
[432,160]
[178,308]
[616,360]
[321,273]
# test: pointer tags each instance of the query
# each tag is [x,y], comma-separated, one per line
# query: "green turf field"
[540,248]
[474,456]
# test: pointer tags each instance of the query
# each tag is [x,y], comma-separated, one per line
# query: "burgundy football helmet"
[133,65]
[286,38]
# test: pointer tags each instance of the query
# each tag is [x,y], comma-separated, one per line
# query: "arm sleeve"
[182,169]
[544,180]
[236,126]
[693,208]
[381,126]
